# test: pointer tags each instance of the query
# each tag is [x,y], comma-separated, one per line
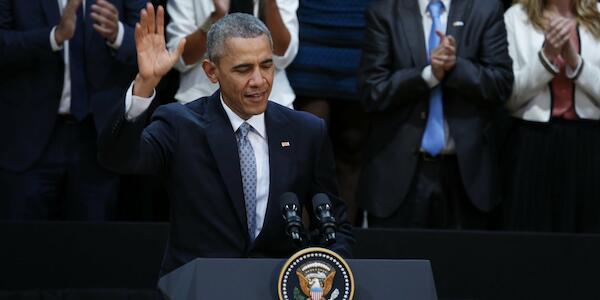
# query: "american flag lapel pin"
[285,144]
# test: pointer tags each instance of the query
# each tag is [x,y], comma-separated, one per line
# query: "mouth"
[255,96]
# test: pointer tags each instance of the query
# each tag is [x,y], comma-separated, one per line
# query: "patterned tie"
[248,169]
[79,99]
[433,137]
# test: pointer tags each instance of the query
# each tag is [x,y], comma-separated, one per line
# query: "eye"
[242,70]
[266,65]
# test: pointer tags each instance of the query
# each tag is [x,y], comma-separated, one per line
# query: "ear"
[211,70]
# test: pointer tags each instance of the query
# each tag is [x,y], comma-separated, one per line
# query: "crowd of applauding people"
[445,114]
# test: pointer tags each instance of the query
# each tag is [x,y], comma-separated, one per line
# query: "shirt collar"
[257,121]
[423,6]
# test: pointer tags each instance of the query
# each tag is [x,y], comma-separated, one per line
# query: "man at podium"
[224,159]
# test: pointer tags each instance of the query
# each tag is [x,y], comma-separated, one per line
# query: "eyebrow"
[243,66]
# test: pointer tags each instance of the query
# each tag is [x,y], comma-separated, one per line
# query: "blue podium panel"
[256,279]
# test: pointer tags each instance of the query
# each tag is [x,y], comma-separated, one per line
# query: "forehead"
[242,49]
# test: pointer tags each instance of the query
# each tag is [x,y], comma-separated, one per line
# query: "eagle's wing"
[304,284]
[328,283]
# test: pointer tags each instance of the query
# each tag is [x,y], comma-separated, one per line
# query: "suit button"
[423,115]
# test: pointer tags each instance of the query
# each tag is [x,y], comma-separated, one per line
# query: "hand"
[569,53]
[221,8]
[556,35]
[437,61]
[450,47]
[106,19]
[154,60]
[443,57]
[68,22]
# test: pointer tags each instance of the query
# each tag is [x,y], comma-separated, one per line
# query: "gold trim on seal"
[315,250]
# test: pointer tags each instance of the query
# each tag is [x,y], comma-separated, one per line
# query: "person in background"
[64,64]
[553,166]
[323,76]
[192,20]
[433,76]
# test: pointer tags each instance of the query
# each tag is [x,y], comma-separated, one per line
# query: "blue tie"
[433,137]
[79,100]
[248,170]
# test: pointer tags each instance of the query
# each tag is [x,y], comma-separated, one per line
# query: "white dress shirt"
[427,74]
[187,16]
[65,100]
[134,106]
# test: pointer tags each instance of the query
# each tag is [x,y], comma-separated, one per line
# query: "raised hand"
[68,22]
[154,60]
[106,19]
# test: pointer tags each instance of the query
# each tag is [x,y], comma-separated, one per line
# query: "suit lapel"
[457,20]
[222,143]
[410,20]
[281,163]
[51,11]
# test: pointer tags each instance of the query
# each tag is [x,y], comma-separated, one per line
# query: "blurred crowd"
[447,114]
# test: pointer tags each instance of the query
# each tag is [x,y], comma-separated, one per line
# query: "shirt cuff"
[572,74]
[119,40]
[428,76]
[53,43]
[136,105]
[550,67]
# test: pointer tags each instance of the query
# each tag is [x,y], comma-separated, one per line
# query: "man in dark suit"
[64,63]
[225,159]
[433,74]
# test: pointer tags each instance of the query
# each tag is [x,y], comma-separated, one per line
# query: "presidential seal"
[316,274]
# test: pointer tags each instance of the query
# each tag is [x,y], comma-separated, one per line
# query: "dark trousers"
[436,199]
[66,183]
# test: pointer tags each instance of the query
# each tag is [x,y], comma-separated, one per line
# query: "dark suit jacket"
[393,89]
[31,80]
[194,150]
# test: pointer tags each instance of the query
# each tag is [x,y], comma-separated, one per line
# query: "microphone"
[322,207]
[290,208]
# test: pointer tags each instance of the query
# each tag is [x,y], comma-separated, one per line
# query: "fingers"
[71,7]
[151,25]
[139,35]
[108,6]
[104,21]
[110,14]
[441,36]
[451,41]
[160,21]
[178,52]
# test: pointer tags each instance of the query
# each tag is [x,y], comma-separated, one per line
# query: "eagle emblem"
[316,279]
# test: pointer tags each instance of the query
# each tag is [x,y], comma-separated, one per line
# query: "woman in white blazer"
[553,165]
[191,19]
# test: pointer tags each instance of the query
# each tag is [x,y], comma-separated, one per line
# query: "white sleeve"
[119,40]
[287,10]
[530,75]
[53,43]
[589,77]
[185,15]
[428,76]
[135,105]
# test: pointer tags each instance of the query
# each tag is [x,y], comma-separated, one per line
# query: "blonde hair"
[585,11]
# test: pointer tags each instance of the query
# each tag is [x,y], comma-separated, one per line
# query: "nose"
[256,78]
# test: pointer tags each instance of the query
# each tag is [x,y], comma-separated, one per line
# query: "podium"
[256,279]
